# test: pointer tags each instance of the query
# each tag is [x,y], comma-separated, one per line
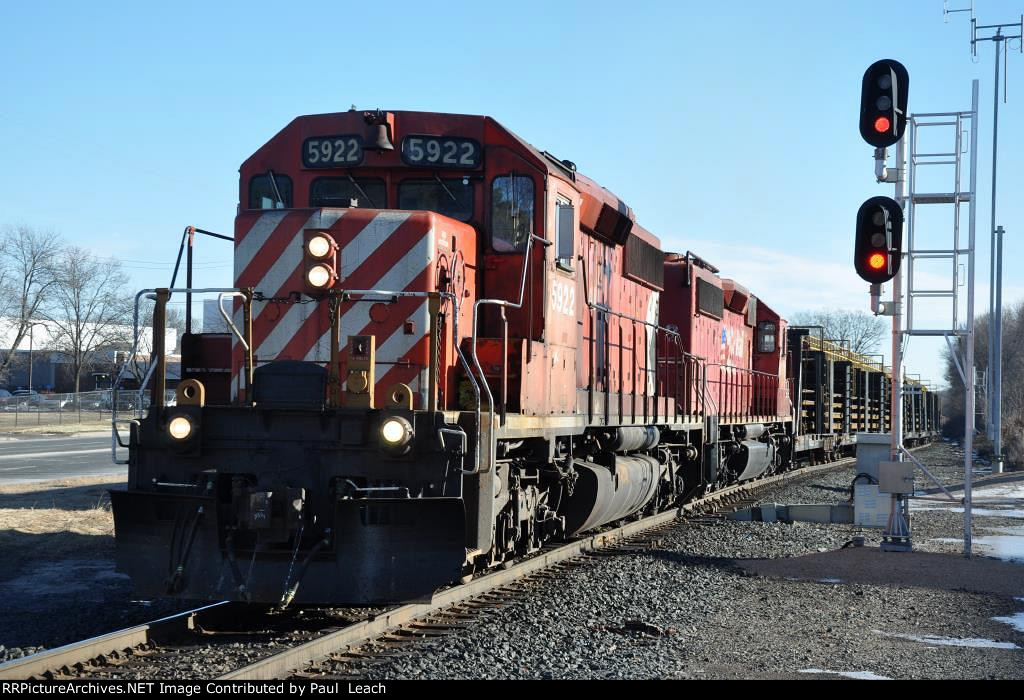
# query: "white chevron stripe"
[373,235]
[290,260]
[255,239]
[392,349]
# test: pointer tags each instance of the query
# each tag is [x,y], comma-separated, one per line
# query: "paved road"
[44,458]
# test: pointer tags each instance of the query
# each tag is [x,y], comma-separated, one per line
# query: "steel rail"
[295,658]
[110,644]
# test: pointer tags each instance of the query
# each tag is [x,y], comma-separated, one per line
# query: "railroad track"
[445,613]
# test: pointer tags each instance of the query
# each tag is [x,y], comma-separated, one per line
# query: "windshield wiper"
[277,192]
[445,187]
[361,191]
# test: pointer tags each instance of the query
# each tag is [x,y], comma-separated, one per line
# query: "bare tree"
[27,265]
[175,319]
[86,308]
[861,330]
[1013,377]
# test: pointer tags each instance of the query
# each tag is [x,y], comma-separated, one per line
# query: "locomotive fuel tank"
[603,494]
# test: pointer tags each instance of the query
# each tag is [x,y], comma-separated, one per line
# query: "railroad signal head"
[320,262]
[879,244]
[883,103]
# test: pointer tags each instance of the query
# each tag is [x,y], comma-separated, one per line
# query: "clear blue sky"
[729,127]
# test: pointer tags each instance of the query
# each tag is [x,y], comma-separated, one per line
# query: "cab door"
[563,299]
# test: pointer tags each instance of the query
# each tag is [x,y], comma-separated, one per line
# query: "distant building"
[51,369]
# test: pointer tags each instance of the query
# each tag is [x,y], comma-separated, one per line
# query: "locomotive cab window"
[566,227]
[270,191]
[511,213]
[452,197]
[766,337]
[344,192]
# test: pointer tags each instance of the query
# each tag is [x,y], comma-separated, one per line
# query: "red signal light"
[876,261]
[882,125]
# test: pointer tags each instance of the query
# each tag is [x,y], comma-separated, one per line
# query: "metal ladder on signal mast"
[960,249]
[960,252]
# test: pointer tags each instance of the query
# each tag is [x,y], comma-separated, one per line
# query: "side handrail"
[503,304]
[759,380]
[674,336]
[668,333]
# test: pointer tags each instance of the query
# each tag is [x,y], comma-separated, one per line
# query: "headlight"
[180,427]
[318,276]
[318,247]
[395,432]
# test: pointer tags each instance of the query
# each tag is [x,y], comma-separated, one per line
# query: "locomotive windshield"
[511,212]
[452,197]
[270,191]
[348,192]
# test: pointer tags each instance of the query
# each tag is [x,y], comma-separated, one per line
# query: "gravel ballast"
[693,607]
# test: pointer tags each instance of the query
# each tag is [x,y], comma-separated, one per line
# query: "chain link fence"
[87,409]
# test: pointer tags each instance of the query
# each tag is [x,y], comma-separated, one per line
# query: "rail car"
[445,348]
[840,393]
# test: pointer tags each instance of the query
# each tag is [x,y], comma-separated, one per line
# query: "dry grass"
[55,519]
[50,423]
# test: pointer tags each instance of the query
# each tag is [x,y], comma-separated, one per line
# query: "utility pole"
[994,374]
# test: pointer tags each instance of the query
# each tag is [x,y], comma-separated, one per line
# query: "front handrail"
[136,340]
[384,295]
[227,319]
[117,438]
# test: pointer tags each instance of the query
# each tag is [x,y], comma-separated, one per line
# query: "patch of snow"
[992,512]
[1016,621]
[859,675]
[1006,547]
[1013,489]
[936,640]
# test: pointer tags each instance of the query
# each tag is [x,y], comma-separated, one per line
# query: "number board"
[441,151]
[332,151]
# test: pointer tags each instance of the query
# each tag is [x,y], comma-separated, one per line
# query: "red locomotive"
[447,347]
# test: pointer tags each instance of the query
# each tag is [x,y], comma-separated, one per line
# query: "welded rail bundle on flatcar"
[446,348]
